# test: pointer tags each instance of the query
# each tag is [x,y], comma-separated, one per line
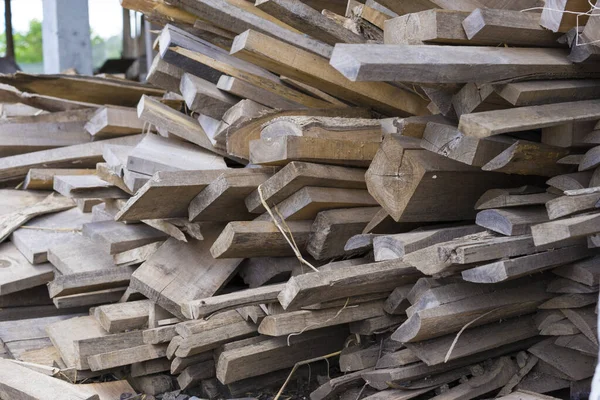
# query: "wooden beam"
[332,229]
[305,320]
[517,267]
[247,239]
[448,141]
[514,28]
[113,121]
[403,178]
[556,231]
[84,155]
[309,21]
[514,197]
[425,324]
[201,308]
[240,360]
[544,92]
[284,149]
[511,221]
[287,60]
[303,290]
[413,63]
[391,247]
[204,97]
[296,175]
[515,160]
[240,17]
[243,89]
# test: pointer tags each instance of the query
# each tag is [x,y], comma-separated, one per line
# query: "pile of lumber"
[401,195]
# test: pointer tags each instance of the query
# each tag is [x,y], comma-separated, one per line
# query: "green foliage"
[28,45]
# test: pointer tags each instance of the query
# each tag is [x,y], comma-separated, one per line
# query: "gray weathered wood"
[194,274]
[412,63]
[248,239]
[517,267]
[574,227]
[512,221]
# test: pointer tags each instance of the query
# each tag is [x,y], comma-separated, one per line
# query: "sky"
[105,16]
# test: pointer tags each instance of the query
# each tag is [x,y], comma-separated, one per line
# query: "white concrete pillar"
[66,36]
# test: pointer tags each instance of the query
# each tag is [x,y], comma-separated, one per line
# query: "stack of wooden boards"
[405,190]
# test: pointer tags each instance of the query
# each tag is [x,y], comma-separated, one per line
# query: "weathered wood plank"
[413,63]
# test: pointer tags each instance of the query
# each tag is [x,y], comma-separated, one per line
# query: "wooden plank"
[232,17]
[17,384]
[83,88]
[87,186]
[474,97]
[572,134]
[415,185]
[55,228]
[591,159]
[178,364]
[412,63]
[246,90]
[43,179]
[194,374]
[298,64]
[90,298]
[513,197]
[155,153]
[176,123]
[79,255]
[204,97]
[476,340]
[514,160]
[585,271]
[100,279]
[448,141]
[306,203]
[201,336]
[430,26]
[560,16]
[517,267]
[305,320]
[274,353]
[390,247]
[586,320]
[115,237]
[122,317]
[512,221]
[244,130]
[202,308]
[309,21]
[324,127]
[223,199]
[77,338]
[575,365]
[284,149]
[167,195]
[164,75]
[297,175]
[448,318]
[18,274]
[571,300]
[544,92]
[567,205]
[520,119]
[574,227]
[81,155]
[574,181]
[195,274]
[114,121]
[331,230]
[269,83]
[246,239]
[514,28]
[303,290]
[127,356]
